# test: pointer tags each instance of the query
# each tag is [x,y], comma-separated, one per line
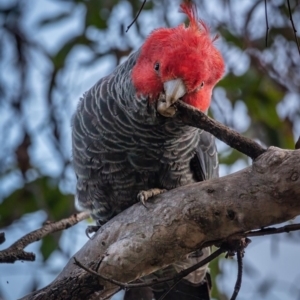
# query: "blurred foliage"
[261,77]
[42,193]
[214,272]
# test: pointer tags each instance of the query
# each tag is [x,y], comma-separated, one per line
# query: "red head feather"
[183,52]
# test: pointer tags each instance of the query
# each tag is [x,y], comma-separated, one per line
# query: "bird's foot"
[143,196]
[91,229]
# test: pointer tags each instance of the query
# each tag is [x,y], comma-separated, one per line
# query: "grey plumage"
[121,145]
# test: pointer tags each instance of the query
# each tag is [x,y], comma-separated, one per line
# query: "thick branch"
[16,250]
[141,240]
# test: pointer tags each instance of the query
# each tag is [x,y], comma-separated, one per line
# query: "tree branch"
[16,250]
[293,25]
[255,233]
[194,117]
[142,240]
[267,22]
[136,17]
[176,277]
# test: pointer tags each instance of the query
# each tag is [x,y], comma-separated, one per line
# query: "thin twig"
[273,230]
[187,271]
[293,25]
[238,283]
[198,265]
[254,233]
[177,277]
[16,250]
[267,23]
[169,289]
[194,117]
[136,17]
[113,281]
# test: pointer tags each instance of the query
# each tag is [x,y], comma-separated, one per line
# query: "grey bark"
[141,240]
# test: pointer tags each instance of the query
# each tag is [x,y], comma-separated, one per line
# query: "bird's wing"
[205,164]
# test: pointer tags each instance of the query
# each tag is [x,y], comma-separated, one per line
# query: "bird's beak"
[174,89]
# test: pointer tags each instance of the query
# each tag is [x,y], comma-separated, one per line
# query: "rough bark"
[141,240]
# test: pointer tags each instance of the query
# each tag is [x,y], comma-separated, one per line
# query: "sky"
[269,260]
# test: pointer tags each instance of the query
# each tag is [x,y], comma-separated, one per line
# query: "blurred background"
[52,51]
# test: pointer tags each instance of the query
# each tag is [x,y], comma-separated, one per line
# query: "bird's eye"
[156,66]
[200,86]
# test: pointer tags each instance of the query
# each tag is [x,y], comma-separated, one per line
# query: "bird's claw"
[91,229]
[143,196]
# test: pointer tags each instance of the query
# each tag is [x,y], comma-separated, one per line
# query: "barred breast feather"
[122,146]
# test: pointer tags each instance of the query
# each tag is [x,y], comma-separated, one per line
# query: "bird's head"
[181,63]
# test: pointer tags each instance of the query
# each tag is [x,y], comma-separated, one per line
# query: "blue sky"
[274,259]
